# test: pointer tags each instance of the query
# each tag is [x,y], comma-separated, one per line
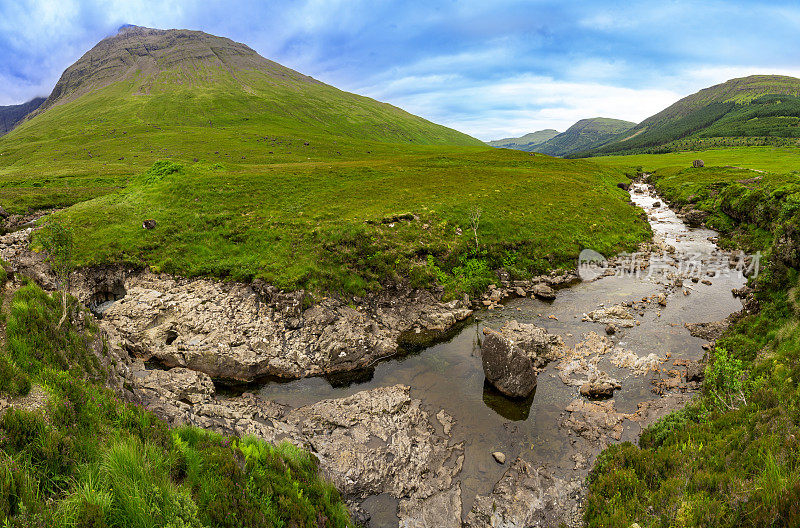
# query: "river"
[449,375]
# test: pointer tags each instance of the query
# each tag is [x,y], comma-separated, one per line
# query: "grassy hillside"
[11,115]
[73,455]
[584,135]
[731,457]
[759,106]
[526,142]
[253,170]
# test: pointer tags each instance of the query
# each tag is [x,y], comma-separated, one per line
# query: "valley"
[281,293]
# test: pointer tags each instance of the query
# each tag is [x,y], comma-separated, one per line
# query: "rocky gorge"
[410,443]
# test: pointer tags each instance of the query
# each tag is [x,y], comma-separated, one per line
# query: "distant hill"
[11,115]
[584,135]
[759,106]
[526,142]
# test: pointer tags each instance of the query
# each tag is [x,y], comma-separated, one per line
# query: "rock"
[442,510]
[524,497]
[184,384]
[624,186]
[597,422]
[506,366]
[598,389]
[698,163]
[541,346]
[242,332]
[694,217]
[149,224]
[656,204]
[3,213]
[379,441]
[617,315]
[638,364]
[499,457]
[611,329]
[695,371]
[662,299]
[708,331]
[520,291]
[543,291]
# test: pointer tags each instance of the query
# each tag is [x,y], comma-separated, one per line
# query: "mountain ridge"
[745,107]
[12,115]
[525,142]
[185,77]
[584,135]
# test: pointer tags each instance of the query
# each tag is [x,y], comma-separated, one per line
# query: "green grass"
[319,225]
[731,457]
[88,459]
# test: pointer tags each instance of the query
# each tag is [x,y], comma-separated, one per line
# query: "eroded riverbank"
[412,440]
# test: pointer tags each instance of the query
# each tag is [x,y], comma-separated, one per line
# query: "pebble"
[499,457]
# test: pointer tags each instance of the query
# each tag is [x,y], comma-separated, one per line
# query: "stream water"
[449,375]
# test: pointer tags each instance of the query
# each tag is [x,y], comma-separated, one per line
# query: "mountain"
[143,78]
[584,135]
[11,115]
[526,142]
[759,106]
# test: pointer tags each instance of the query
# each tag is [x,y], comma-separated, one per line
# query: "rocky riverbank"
[172,340]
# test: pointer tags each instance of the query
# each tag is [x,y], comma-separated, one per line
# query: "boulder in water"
[507,366]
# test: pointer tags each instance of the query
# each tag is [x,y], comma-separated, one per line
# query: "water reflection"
[514,409]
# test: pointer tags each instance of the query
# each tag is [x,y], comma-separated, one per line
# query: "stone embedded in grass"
[149,224]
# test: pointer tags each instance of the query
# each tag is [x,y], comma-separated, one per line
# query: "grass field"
[258,199]
[771,159]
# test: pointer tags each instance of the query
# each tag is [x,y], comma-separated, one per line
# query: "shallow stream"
[449,375]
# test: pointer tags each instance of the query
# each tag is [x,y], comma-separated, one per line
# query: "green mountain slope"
[526,142]
[766,106]
[13,114]
[584,135]
[142,78]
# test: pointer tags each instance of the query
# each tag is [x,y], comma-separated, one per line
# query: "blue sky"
[491,68]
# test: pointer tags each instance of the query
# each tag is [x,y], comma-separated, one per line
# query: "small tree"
[57,241]
[474,220]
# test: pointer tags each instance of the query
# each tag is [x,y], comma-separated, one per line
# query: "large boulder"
[541,346]
[507,366]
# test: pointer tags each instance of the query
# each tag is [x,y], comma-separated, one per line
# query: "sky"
[490,68]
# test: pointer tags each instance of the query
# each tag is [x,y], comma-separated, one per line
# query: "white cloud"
[520,104]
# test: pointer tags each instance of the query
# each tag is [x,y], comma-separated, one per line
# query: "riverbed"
[449,375]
